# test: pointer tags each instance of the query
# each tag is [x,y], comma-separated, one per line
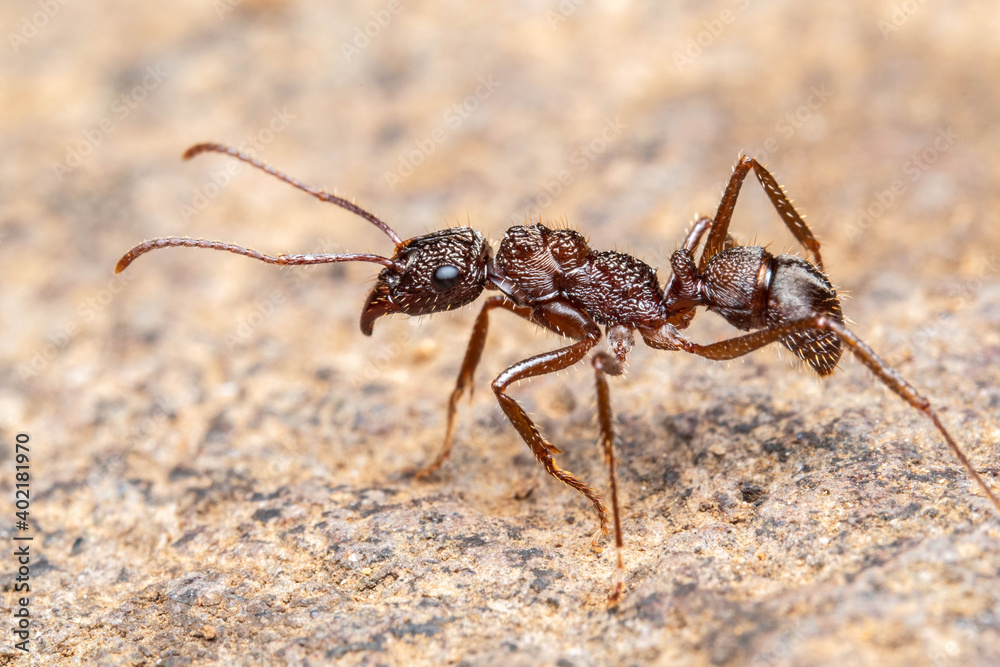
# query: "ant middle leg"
[796,225]
[568,320]
[473,353]
[605,364]
[741,345]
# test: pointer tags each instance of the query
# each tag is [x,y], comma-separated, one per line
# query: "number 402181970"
[22,477]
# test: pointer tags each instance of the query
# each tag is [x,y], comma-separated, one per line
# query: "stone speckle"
[219,456]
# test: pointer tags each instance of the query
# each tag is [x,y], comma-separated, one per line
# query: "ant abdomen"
[798,291]
[753,289]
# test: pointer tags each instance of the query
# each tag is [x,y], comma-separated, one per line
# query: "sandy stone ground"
[218,455]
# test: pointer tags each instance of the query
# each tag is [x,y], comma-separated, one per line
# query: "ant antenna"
[318,194]
[284,260]
[181,241]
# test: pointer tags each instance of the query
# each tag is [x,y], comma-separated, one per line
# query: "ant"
[553,279]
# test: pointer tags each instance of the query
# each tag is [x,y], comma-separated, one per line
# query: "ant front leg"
[796,225]
[473,353]
[737,347]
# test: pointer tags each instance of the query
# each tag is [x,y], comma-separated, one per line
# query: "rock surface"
[219,456]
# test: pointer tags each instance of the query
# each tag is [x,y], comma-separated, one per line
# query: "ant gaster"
[551,278]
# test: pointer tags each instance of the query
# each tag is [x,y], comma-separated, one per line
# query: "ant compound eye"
[445,277]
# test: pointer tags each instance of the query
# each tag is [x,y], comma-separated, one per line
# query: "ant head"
[429,274]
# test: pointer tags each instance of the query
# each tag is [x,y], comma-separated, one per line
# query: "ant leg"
[570,321]
[693,238]
[737,347]
[796,225]
[691,241]
[473,353]
[605,364]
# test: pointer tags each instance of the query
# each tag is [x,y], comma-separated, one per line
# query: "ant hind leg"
[720,230]
[741,345]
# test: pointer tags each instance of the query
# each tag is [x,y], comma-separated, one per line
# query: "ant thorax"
[612,287]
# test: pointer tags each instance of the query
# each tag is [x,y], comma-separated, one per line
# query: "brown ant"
[551,278]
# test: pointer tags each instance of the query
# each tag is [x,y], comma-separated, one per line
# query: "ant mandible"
[551,278]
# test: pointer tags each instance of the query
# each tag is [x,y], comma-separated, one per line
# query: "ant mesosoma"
[551,278]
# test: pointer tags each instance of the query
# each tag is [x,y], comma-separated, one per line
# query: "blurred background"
[166,405]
